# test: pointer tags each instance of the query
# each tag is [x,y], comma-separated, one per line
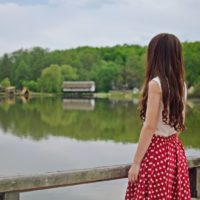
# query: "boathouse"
[78,86]
[11,90]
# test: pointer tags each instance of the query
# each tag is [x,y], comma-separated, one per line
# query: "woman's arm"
[148,129]
[149,125]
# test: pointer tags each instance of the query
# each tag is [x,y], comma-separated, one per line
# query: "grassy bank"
[117,94]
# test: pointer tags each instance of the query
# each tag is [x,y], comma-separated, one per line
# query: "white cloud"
[60,24]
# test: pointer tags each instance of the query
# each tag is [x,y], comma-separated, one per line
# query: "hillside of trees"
[117,67]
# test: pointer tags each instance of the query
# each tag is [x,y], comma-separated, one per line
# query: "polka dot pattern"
[163,174]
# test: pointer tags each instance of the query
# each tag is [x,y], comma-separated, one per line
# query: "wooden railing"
[10,187]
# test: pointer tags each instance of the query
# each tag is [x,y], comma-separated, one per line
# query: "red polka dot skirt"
[163,174]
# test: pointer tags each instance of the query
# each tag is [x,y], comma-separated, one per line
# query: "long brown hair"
[165,60]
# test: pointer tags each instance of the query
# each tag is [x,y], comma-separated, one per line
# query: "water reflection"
[78,104]
[84,119]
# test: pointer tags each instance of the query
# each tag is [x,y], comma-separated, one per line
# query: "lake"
[52,134]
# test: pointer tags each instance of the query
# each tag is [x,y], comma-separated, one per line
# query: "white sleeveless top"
[161,128]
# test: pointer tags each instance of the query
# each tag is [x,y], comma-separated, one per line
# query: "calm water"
[51,134]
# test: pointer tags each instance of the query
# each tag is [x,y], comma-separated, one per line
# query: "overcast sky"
[63,24]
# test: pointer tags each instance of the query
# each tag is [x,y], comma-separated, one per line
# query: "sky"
[64,24]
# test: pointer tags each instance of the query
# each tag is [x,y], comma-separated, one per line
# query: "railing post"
[193,181]
[198,181]
[9,196]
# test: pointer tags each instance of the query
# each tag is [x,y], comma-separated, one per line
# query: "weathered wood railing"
[10,187]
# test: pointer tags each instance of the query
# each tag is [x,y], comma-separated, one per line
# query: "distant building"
[78,86]
[2,89]
[135,90]
[11,90]
[25,92]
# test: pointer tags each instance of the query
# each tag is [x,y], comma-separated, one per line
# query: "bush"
[31,85]
[5,82]
[196,91]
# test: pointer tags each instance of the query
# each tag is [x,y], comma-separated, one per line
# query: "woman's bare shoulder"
[153,86]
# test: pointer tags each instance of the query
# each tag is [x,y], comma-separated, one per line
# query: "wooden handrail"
[13,185]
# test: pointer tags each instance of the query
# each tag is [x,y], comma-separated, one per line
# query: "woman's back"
[162,128]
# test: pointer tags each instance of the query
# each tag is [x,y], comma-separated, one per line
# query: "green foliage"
[133,70]
[191,53]
[105,76]
[5,82]
[117,67]
[31,85]
[196,92]
[51,79]
[5,67]
[21,74]
[69,73]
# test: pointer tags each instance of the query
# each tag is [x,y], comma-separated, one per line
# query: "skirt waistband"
[162,138]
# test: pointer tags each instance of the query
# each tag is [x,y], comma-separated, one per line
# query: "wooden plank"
[9,196]
[67,178]
[62,178]
[193,161]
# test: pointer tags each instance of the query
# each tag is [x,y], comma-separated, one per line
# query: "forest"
[112,68]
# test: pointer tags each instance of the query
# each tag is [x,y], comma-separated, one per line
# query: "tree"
[133,70]
[69,73]
[5,67]
[21,74]
[31,85]
[191,52]
[51,79]
[105,75]
[5,82]
[37,61]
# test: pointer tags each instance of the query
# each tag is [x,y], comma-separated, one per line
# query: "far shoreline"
[112,94]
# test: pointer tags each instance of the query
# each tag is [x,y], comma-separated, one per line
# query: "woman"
[159,170]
